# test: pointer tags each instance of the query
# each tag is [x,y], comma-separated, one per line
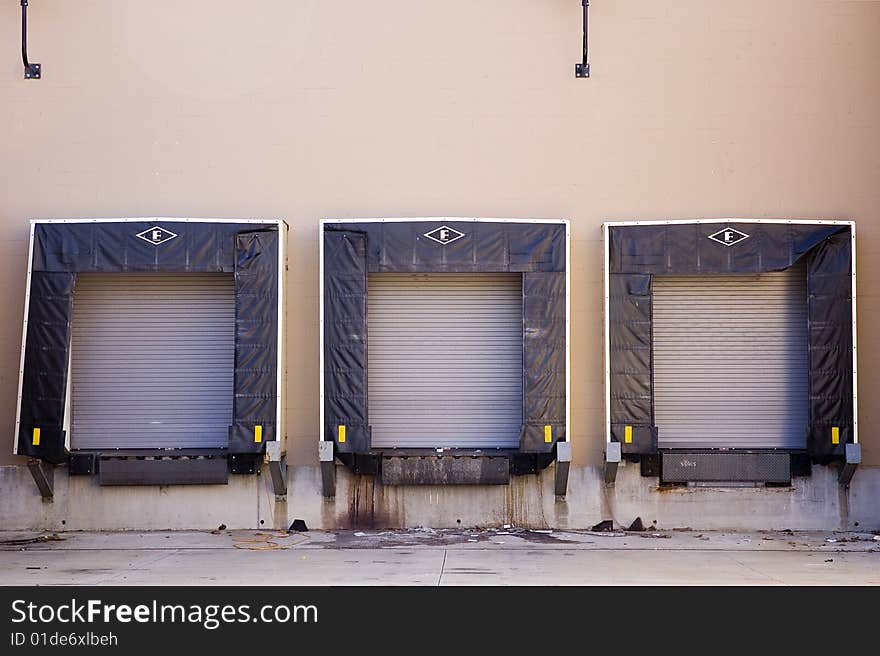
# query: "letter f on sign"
[728,236]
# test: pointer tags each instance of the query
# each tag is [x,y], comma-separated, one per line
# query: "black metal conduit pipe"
[583,68]
[31,71]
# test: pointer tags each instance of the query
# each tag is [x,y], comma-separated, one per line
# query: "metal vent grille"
[685,466]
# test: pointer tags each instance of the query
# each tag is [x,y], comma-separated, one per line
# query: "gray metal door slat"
[731,366]
[445,359]
[152,360]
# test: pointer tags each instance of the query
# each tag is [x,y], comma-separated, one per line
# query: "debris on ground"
[219,529]
[636,525]
[256,537]
[298,525]
[829,560]
[258,546]
[854,538]
[259,541]
[52,537]
[657,535]
[606,525]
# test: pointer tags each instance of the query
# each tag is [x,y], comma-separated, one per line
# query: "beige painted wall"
[311,109]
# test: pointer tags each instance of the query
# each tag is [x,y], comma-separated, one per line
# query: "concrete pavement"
[500,556]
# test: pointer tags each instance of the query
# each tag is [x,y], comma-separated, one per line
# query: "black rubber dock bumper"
[211,470]
[445,470]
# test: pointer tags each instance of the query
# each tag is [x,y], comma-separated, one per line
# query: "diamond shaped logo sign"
[444,235]
[729,236]
[156,235]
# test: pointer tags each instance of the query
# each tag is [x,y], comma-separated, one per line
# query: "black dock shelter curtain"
[353,250]
[64,249]
[638,252]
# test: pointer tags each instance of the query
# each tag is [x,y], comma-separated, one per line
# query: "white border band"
[282,237]
[436,219]
[606,276]
[24,327]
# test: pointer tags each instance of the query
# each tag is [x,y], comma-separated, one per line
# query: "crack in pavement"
[148,562]
[756,571]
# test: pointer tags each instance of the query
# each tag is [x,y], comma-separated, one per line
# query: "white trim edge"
[564,222]
[321,331]
[443,218]
[854,338]
[606,273]
[161,219]
[280,430]
[282,237]
[24,326]
[729,220]
[607,329]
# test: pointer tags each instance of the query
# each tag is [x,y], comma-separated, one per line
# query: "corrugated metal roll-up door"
[731,360]
[445,359]
[152,360]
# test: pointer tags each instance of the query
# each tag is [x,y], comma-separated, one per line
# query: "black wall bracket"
[582,68]
[277,468]
[563,464]
[848,469]
[612,461]
[32,71]
[328,468]
[44,477]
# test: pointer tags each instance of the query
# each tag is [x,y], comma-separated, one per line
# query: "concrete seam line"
[442,567]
